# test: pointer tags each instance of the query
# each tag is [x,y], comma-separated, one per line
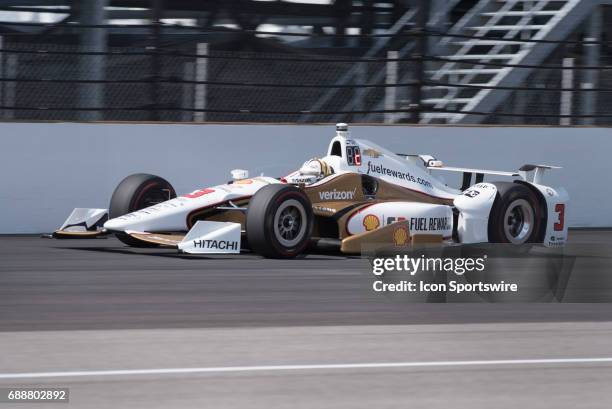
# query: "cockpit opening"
[336,149]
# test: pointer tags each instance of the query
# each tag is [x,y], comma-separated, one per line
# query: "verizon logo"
[338,195]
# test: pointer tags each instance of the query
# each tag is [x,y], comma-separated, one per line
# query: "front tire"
[279,221]
[516,216]
[136,192]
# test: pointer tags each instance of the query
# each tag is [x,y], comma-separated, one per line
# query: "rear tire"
[136,192]
[279,221]
[516,216]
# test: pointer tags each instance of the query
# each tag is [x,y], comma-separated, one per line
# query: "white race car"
[358,194]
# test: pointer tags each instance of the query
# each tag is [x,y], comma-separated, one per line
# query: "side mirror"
[239,174]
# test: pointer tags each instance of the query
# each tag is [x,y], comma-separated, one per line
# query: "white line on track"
[222,369]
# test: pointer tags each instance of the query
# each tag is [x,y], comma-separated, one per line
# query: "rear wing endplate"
[535,173]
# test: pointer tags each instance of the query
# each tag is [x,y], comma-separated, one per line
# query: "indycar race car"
[359,194]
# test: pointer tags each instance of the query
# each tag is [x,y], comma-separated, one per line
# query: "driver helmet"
[311,171]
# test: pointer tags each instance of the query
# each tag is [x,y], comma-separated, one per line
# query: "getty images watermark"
[459,266]
[490,272]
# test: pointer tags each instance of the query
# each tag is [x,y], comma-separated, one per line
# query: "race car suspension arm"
[232,206]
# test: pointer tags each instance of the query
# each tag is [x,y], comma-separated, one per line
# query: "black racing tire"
[279,221]
[136,192]
[516,216]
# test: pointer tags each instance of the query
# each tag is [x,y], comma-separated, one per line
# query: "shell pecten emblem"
[400,236]
[371,222]
[243,182]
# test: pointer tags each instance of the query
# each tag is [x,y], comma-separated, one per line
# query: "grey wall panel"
[48,169]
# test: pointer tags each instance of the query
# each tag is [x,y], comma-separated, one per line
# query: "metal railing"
[44,81]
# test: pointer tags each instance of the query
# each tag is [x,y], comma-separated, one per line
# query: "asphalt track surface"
[153,329]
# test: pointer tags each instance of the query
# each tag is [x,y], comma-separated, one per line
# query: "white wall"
[47,169]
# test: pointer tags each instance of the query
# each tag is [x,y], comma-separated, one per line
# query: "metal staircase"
[494,21]
[356,72]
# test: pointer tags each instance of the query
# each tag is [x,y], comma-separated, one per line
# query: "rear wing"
[530,173]
[469,173]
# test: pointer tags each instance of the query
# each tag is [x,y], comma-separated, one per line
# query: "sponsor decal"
[199,193]
[550,192]
[556,241]
[243,182]
[216,244]
[400,236]
[392,219]
[338,194]
[475,190]
[382,170]
[307,179]
[372,153]
[483,186]
[430,223]
[324,209]
[371,222]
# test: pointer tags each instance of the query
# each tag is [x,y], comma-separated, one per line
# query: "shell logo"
[243,182]
[371,222]
[400,236]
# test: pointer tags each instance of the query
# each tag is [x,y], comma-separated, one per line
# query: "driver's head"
[311,171]
[316,167]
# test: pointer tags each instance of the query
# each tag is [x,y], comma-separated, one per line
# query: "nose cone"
[118,224]
[152,219]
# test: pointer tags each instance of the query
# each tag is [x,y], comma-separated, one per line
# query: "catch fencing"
[192,82]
